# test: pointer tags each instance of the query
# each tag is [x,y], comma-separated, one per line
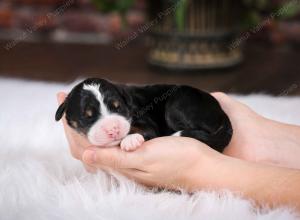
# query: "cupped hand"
[179,162]
[259,139]
[168,162]
[248,128]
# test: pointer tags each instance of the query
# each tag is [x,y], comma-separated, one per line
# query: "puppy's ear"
[60,111]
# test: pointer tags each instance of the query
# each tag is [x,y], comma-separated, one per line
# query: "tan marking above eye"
[89,113]
[74,124]
[116,104]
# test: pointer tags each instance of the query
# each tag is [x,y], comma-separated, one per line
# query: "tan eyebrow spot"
[89,113]
[74,124]
[116,104]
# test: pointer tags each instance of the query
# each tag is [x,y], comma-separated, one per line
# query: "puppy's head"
[99,110]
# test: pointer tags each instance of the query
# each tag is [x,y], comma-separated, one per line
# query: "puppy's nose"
[113,131]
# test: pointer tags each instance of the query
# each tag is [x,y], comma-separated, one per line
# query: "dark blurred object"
[39,21]
[67,20]
[272,70]
[257,11]
[120,6]
[75,21]
[194,34]
[277,33]
[6,15]
[39,2]
[290,30]
[275,21]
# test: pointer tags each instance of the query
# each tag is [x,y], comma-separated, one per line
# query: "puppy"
[110,114]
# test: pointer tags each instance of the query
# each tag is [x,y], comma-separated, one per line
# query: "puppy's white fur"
[95,89]
[177,134]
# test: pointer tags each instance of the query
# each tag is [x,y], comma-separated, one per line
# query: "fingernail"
[89,156]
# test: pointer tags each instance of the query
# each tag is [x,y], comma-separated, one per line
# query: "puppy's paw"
[132,142]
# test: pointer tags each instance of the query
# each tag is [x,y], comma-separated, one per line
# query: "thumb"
[114,158]
[228,104]
[222,98]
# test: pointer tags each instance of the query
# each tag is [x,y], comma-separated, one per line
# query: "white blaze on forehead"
[95,89]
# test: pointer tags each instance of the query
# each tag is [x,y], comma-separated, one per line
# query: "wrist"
[286,145]
[208,171]
[220,172]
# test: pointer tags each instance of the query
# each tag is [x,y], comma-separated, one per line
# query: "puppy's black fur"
[153,110]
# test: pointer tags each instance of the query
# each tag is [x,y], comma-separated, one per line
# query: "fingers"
[90,169]
[222,98]
[230,105]
[218,95]
[139,176]
[227,103]
[76,151]
[61,96]
[114,158]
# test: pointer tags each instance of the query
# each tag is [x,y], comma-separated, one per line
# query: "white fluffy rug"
[40,180]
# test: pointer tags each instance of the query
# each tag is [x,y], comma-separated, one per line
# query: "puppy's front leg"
[141,131]
[132,141]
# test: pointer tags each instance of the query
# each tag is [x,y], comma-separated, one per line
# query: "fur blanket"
[40,180]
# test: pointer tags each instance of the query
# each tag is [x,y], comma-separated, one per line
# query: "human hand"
[173,162]
[256,138]
[168,162]
[246,127]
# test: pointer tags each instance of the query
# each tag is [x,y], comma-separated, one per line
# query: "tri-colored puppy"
[112,114]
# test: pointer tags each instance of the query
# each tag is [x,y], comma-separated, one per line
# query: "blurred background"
[233,46]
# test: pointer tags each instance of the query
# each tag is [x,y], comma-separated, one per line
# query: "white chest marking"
[177,134]
[95,89]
